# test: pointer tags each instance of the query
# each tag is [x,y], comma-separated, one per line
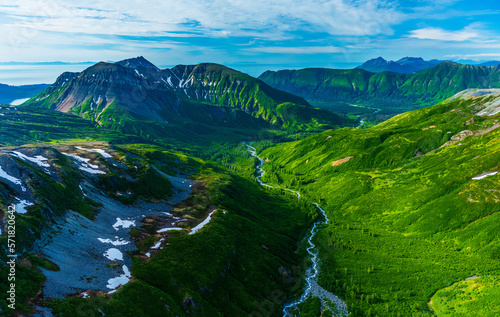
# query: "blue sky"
[251,36]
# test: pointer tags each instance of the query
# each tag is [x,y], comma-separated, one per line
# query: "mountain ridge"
[405,65]
[135,88]
[392,92]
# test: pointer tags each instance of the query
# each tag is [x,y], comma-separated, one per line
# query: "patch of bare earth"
[341,161]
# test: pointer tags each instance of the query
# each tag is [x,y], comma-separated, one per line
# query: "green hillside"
[247,251]
[407,217]
[394,93]
[135,93]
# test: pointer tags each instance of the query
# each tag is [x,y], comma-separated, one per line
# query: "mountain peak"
[406,65]
[139,61]
[408,59]
[378,60]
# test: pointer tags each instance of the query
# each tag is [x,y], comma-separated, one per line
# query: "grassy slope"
[478,295]
[241,253]
[402,226]
[392,92]
[229,268]
[231,88]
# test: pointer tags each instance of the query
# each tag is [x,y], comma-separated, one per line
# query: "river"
[361,120]
[312,287]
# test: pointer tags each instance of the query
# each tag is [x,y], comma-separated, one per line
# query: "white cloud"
[264,18]
[483,55]
[443,35]
[297,50]
[475,57]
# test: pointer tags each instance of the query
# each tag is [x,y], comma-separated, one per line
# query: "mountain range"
[393,93]
[409,65]
[199,190]
[136,90]
[405,65]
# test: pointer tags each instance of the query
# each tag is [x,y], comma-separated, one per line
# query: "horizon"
[248,37]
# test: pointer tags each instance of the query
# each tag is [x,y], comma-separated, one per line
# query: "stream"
[361,121]
[312,287]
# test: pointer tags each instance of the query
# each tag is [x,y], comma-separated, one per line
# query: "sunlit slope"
[123,93]
[392,92]
[414,202]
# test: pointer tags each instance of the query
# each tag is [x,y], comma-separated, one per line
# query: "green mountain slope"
[392,92]
[246,253]
[136,90]
[413,203]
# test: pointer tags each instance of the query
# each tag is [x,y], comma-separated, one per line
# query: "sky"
[251,36]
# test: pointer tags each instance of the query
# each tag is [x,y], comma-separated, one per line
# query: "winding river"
[312,287]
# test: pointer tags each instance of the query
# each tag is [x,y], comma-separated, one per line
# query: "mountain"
[392,92]
[405,65]
[413,204]
[136,90]
[104,219]
[120,213]
[10,93]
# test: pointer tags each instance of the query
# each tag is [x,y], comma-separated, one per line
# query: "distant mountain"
[135,89]
[10,93]
[392,92]
[406,65]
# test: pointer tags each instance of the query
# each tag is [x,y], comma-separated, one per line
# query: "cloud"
[481,56]
[430,33]
[223,18]
[297,50]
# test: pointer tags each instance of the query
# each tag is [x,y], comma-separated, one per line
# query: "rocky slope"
[206,93]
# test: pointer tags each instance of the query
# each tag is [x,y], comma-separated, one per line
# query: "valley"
[200,190]
[394,93]
[329,302]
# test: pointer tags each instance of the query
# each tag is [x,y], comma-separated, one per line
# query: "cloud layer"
[279,33]
[268,19]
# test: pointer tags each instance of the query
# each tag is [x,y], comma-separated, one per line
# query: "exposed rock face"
[137,89]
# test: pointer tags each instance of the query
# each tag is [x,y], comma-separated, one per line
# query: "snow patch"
[100,151]
[484,175]
[202,224]
[91,170]
[123,279]
[17,102]
[20,207]
[168,229]
[86,165]
[156,246]
[115,243]
[113,254]
[12,179]
[39,160]
[123,223]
